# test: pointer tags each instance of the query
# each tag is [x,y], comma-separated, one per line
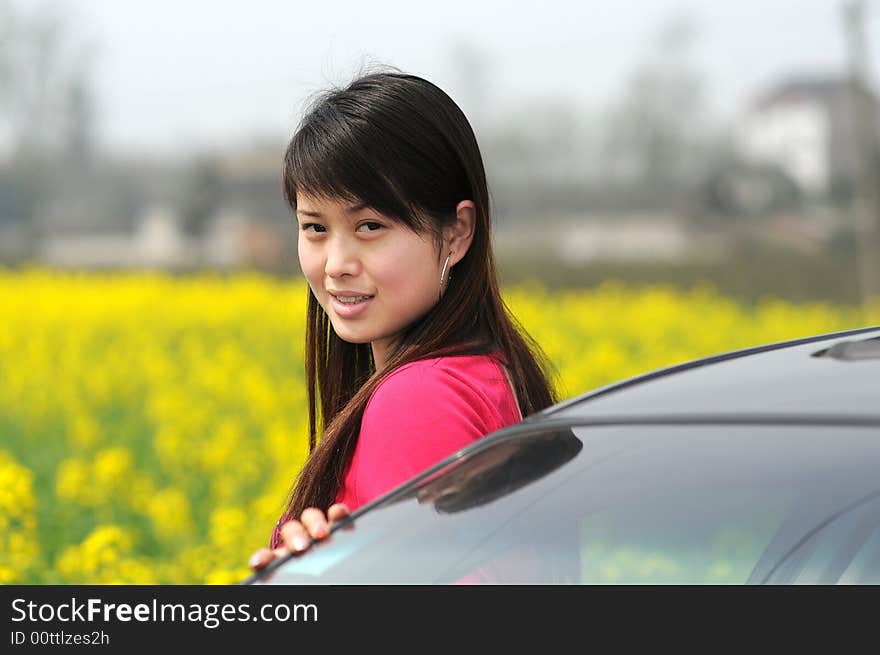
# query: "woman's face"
[373,276]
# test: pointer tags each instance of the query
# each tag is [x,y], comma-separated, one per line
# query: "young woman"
[411,353]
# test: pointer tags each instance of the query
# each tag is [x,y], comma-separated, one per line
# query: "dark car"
[759,466]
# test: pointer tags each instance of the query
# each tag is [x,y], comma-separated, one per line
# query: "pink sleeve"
[415,418]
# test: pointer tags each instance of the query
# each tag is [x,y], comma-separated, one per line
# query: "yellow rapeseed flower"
[178,404]
[73,482]
[170,512]
[19,546]
[105,557]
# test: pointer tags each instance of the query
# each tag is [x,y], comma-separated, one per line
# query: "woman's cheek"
[312,269]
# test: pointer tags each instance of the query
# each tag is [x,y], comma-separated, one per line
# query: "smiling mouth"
[351,300]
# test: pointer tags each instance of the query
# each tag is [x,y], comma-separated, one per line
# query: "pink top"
[421,413]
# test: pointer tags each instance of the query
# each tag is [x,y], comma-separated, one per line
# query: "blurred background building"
[727,142]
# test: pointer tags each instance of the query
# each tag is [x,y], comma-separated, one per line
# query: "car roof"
[835,376]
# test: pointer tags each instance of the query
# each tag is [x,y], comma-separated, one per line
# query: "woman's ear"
[458,236]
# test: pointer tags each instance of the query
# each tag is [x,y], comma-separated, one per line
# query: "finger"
[337,513]
[315,522]
[261,558]
[296,538]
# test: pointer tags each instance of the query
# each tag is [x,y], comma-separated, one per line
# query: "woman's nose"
[342,258]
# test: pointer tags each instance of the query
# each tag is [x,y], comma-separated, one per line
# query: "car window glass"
[627,504]
[844,548]
[697,504]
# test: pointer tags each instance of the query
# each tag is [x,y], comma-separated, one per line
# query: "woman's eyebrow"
[350,210]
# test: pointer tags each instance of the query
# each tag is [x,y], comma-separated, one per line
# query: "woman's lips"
[349,309]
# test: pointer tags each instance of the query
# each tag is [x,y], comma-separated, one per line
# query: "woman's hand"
[297,535]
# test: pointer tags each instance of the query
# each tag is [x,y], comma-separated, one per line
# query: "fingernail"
[255,560]
[300,542]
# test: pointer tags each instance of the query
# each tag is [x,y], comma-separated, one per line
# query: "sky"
[176,75]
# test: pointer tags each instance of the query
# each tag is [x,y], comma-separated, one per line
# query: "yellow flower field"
[150,426]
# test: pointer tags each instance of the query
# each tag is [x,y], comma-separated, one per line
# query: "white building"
[804,127]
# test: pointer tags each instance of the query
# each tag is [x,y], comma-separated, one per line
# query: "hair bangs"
[334,157]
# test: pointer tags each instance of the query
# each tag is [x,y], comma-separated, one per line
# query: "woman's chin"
[350,337]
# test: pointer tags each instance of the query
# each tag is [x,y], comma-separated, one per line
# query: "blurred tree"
[46,106]
[79,131]
[46,91]
[657,133]
[472,74]
[867,196]
[200,195]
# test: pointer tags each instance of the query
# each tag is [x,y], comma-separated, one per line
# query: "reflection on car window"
[695,505]
[498,471]
[495,473]
[688,542]
[845,548]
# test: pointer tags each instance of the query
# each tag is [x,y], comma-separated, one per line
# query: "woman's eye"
[370,226]
[313,227]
